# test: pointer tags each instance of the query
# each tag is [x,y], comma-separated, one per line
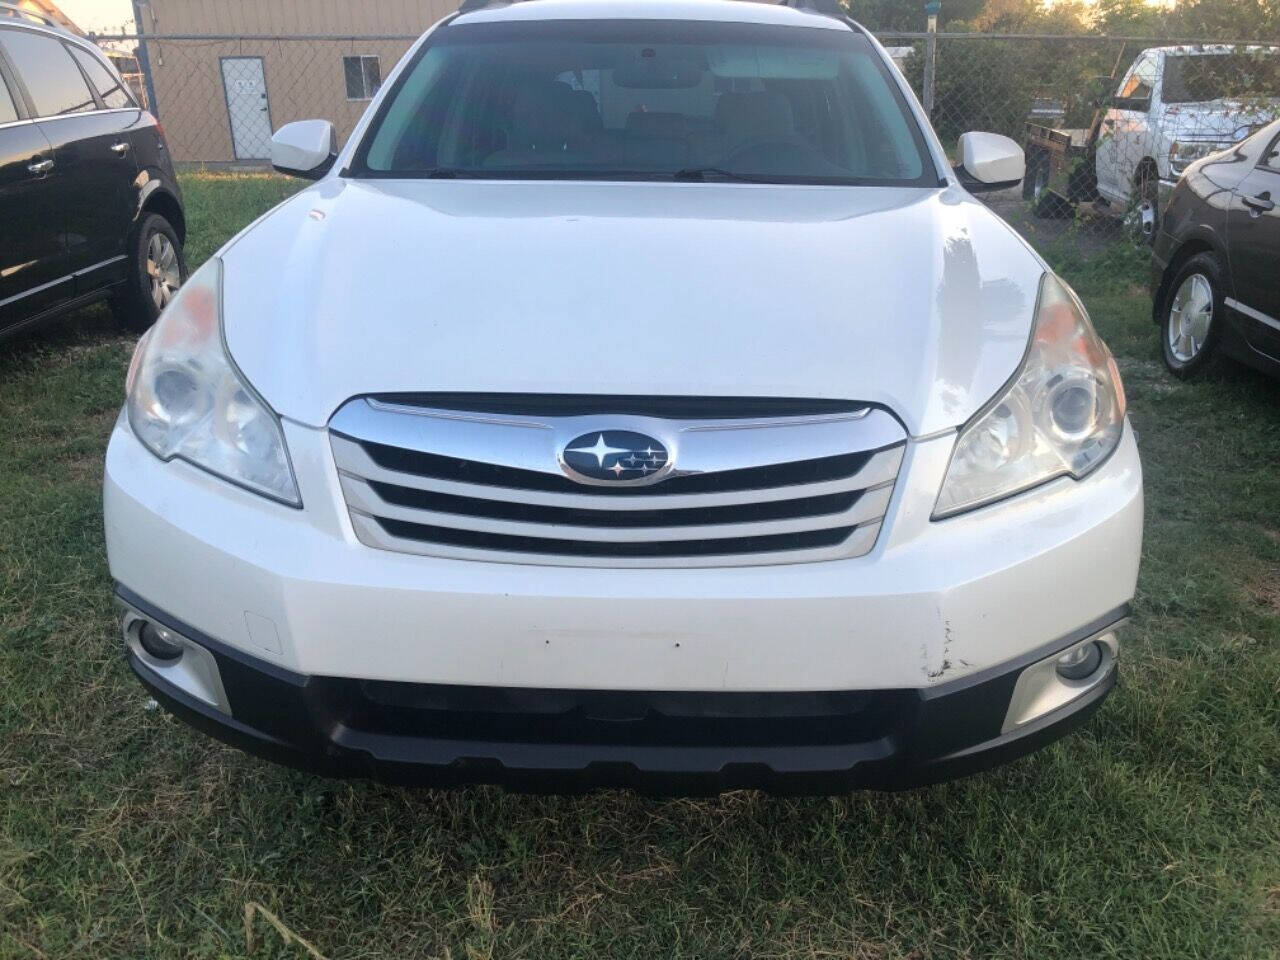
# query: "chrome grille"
[489,485]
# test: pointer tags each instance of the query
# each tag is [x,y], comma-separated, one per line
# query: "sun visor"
[772,63]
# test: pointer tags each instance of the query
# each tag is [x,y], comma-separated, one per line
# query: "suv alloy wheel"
[156,271]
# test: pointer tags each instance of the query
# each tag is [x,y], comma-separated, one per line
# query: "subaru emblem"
[615,457]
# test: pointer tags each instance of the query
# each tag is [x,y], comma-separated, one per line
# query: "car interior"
[614,108]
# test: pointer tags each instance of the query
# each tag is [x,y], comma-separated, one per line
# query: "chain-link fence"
[220,97]
[1107,118]
[1104,120]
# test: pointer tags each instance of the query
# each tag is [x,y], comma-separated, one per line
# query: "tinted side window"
[109,88]
[1271,156]
[1140,82]
[52,77]
[7,112]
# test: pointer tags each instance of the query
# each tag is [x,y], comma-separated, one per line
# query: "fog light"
[1080,662]
[1054,682]
[163,654]
[159,642]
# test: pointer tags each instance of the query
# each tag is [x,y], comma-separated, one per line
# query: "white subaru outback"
[639,398]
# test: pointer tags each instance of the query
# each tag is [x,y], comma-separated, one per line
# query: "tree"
[908,15]
[1227,19]
[1129,18]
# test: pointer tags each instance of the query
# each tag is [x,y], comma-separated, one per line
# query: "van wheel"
[1191,315]
[1144,215]
[157,269]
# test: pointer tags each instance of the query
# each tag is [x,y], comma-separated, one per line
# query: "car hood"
[1223,120]
[920,300]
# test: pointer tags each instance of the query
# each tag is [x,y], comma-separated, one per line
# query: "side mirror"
[1140,104]
[304,148]
[989,161]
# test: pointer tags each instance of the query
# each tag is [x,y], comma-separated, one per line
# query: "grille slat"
[469,539]
[437,467]
[470,486]
[577,405]
[361,497]
[600,515]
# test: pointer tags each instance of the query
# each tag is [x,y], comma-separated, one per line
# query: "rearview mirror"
[657,74]
[304,148]
[989,161]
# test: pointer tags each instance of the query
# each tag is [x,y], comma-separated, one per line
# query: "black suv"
[89,204]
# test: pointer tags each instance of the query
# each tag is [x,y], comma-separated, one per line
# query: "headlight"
[1061,416]
[186,399]
[1183,153]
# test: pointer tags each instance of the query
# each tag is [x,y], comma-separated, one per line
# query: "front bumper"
[568,741]
[890,669]
[932,602]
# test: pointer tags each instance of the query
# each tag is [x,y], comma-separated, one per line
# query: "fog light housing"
[159,642]
[163,653]
[1080,663]
[1058,680]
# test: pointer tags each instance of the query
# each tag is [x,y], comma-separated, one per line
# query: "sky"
[98,16]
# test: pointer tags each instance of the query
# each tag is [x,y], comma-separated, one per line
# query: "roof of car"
[47,28]
[735,11]
[1210,49]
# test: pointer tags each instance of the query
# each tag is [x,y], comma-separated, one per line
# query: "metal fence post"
[930,54]
[144,59]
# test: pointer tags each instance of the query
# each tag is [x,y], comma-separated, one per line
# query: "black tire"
[1205,266]
[1082,182]
[1053,206]
[1035,163]
[1045,203]
[139,301]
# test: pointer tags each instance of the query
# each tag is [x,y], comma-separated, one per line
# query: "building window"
[363,76]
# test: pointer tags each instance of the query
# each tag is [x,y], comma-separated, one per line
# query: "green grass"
[1155,832]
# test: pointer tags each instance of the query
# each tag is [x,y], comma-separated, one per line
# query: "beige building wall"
[303,78]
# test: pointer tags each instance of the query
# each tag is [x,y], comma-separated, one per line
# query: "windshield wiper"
[511,173]
[698,174]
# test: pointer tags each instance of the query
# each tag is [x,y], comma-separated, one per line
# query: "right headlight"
[1062,414]
[187,400]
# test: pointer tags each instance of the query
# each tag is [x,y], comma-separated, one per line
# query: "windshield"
[1233,76]
[619,100]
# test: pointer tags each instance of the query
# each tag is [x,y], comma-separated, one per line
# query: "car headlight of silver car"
[1061,415]
[1183,153]
[186,399]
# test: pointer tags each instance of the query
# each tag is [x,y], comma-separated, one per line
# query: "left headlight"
[1062,414]
[186,399]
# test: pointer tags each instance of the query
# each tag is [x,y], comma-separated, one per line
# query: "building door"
[245,86]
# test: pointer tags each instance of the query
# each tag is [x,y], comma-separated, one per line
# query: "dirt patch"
[1266,590]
